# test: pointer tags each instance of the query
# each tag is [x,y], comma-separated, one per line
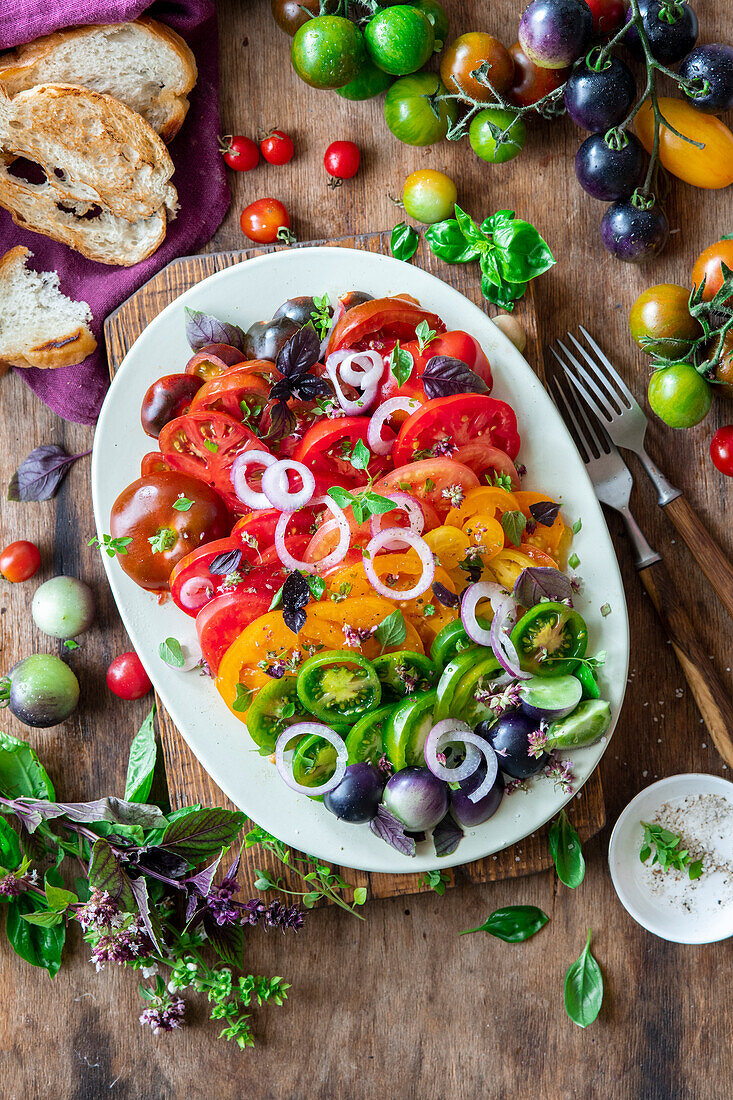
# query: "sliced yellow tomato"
[486,532]
[710,167]
[507,565]
[546,538]
[404,568]
[449,545]
[485,498]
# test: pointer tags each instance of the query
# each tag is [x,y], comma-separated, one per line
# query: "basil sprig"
[509,250]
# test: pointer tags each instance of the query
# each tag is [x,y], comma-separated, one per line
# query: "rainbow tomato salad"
[335,498]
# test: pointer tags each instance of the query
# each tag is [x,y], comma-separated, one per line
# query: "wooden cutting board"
[188,782]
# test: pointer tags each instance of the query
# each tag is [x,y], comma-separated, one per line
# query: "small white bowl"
[707,921]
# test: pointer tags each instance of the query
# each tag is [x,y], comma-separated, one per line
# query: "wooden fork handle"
[705,684]
[711,558]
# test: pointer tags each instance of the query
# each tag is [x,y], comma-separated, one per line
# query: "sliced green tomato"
[338,686]
[365,740]
[466,705]
[448,643]
[407,730]
[275,707]
[404,672]
[588,681]
[314,762]
[452,675]
[551,696]
[586,724]
[548,638]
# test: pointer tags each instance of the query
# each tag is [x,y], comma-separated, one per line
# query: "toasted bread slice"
[104,186]
[144,64]
[39,326]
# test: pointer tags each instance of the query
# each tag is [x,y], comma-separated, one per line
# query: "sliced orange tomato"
[485,531]
[449,545]
[546,538]
[710,167]
[489,499]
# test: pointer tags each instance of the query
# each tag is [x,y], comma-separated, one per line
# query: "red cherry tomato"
[264,221]
[277,148]
[721,450]
[608,15]
[456,345]
[342,159]
[19,561]
[127,678]
[530,82]
[240,153]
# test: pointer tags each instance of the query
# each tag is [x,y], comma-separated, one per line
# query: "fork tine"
[580,438]
[602,379]
[602,407]
[598,434]
[609,367]
[577,387]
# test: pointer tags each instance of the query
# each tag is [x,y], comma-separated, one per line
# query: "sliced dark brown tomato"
[214,360]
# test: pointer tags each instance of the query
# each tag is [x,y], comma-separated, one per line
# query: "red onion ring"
[276,489]
[386,410]
[305,729]
[195,592]
[501,643]
[480,590]
[331,559]
[450,729]
[249,496]
[409,505]
[469,739]
[400,535]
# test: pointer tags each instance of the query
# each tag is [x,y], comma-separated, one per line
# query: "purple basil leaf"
[545,512]
[114,810]
[204,833]
[444,376]
[300,353]
[161,862]
[295,595]
[226,563]
[447,835]
[306,387]
[233,869]
[139,889]
[202,330]
[294,618]
[445,596]
[40,474]
[539,582]
[391,830]
[105,873]
[282,420]
[201,883]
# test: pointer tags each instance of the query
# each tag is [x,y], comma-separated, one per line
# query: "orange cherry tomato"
[710,167]
[466,54]
[708,266]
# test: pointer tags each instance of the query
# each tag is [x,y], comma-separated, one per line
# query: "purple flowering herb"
[562,775]
[165,1014]
[537,743]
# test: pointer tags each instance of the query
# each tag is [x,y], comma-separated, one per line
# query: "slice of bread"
[39,326]
[144,64]
[103,175]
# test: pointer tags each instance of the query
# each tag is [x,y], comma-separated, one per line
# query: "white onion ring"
[470,738]
[480,590]
[249,496]
[501,643]
[305,729]
[386,410]
[338,313]
[366,380]
[331,559]
[408,504]
[192,590]
[400,535]
[450,729]
[347,360]
[276,489]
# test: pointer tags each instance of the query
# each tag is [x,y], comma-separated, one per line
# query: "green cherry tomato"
[679,395]
[371,81]
[404,672]
[364,741]
[407,730]
[275,707]
[485,129]
[338,686]
[429,196]
[448,642]
[547,636]
[588,681]
[328,51]
[660,321]
[399,40]
[409,115]
[438,16]
[314,761]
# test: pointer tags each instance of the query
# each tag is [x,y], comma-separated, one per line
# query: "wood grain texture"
[188,782]
[400,1006]
[709,555]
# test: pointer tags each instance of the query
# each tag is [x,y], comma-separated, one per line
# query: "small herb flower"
[166,1014]
[537,742]
[454,494]
[562,775]
[356,636]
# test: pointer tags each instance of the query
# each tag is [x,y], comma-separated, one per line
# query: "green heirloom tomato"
[588,681]
[448,642]
[468,699]
[275,707]
[484,131]
[679,395]
[429,196]
[338,686]
[399,40]
[661,323]
[409,115]
[328,51]
[588,722]
[405,672]
[364,741]
[437,15]
[314,762]
[371,81]
[547,636]
[451,676]
[407,730]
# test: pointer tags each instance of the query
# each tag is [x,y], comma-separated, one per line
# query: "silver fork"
[612,482]
[603,389]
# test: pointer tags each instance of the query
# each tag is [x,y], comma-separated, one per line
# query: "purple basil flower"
[167,1015]
[122,945]
[99,912]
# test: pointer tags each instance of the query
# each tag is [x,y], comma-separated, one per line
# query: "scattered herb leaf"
[514,524]
[541,582]
[392,630]
[391,830]
[584,988]
[513,923]
[171,652]
[202,330]
[40,474]
[295,596]
[665,846]
[182,504]
[401,364]
[545,512]
[566,851]
[445,376]
[404,241]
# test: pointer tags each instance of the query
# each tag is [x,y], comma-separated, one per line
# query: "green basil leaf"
[392,630]
[39,946]
[490,268]
[523,252]
[171,652]
[46,918]
[446,241]
[404,241]
[360,456]
[360,895]
[514,524]
[470,230]
[513,924]
[504,296]
[9,846]
[566,851]
[58,898]
[501,217]
[584,988]
[141,762]
[342,497]
[21,772]
[401,364]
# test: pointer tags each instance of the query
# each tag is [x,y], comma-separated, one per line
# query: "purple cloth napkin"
[76,393]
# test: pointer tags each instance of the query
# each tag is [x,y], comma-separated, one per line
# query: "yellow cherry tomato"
[710,167]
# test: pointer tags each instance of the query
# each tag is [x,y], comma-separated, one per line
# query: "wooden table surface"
[400,1006]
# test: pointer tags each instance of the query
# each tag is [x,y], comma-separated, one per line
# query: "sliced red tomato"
[327,446]
[381,319]
[222,620]
[205,444]
[214,360]
[427,480]
[487,461]
[192,583]
[255,533]
[457,345]
[445,424]
[154,463]
[242,393]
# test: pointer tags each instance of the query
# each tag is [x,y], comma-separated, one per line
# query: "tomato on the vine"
[127,678]
[342,159]
[709,167]
[277,148]
[290,15]
[661,323]
[608,15]
[679,395]
[240,153]
[708,266]
[20,561]
[721,450]
[265,221]
[530,82]
[429,196]
[465,55]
